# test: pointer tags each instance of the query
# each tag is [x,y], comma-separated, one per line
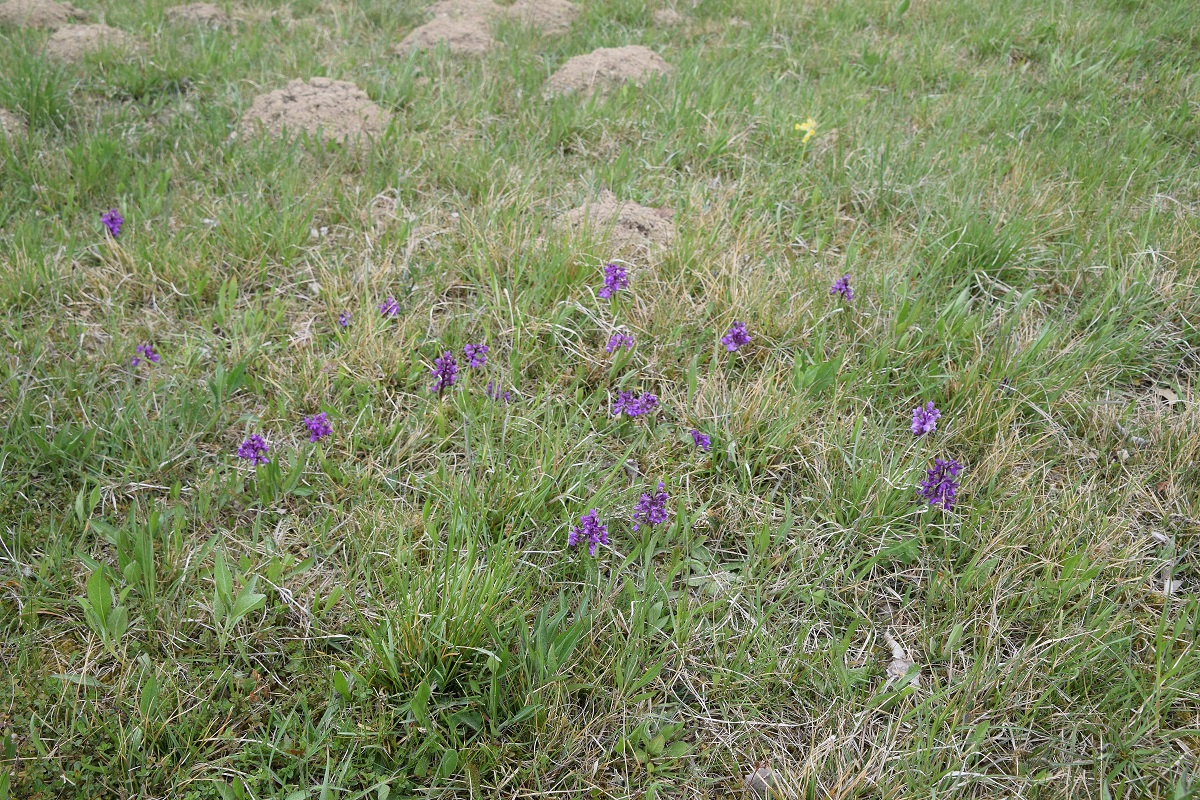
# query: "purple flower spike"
[145,351]
[651,509]
[615,279]
[619,340]
[842,286]
[940,487]
[344,319]
[254,450]
[389,307]
[445,372]
[925,419]
[112,220]
[494,392]
[632,406]
[702,440]
[318,426]
[476,355]
[588,530]
[736,337]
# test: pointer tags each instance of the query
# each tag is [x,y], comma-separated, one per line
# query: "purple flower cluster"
[445,372]
[702,440]
[651,509]
[494,392]
[254,449]
[145,351]
[940,486]
[924,419]
[112,220]
[632,406]
[344,319]
[318,426]
[842,286]
[476,355]
[389,307]
[619,340]
[588,530]
[736,337]
[615,279]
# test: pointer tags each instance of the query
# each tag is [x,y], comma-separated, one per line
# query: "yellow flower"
[809,126]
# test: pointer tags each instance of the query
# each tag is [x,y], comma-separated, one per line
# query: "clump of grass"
[35,87]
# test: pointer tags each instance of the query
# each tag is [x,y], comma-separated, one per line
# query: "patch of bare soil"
[11,124]
[463,36]
[605,69]
[627,225]
[198,14]
[466,8]
[39,14]
[667,18]
[321,107]
[551,17]
[73,42]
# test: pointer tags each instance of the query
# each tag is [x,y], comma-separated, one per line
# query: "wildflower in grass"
[809,126]
[146,352]
[651,509]
[940,486]
[619,340]
[344,319]
[615,280]
[112,220]
[254,450]
[389,307]
[842,286]
[494,392]
[476,355]
[588,530]
[318,426]
[632,406]
[702,440]
[925,419]
[736,337]
[445,372]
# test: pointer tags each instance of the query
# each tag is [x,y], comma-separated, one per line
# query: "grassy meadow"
[1013,187]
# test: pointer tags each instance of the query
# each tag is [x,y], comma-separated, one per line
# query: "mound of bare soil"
[73,42]
[198,14]
[551,17]
[39,14]
[485,9]
[463,36]
[667,18]
[11,124]
[605,69]
[629,226]
[321,107]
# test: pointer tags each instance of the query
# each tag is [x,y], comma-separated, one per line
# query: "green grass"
[1013,187]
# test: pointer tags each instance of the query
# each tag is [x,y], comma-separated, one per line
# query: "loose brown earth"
[73,42]
[11,124]
[629,226]
[463,35]
[321,107]
[466,8]
[198,13]
[39,14]
[551,17]
[605,69]
[667,18]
